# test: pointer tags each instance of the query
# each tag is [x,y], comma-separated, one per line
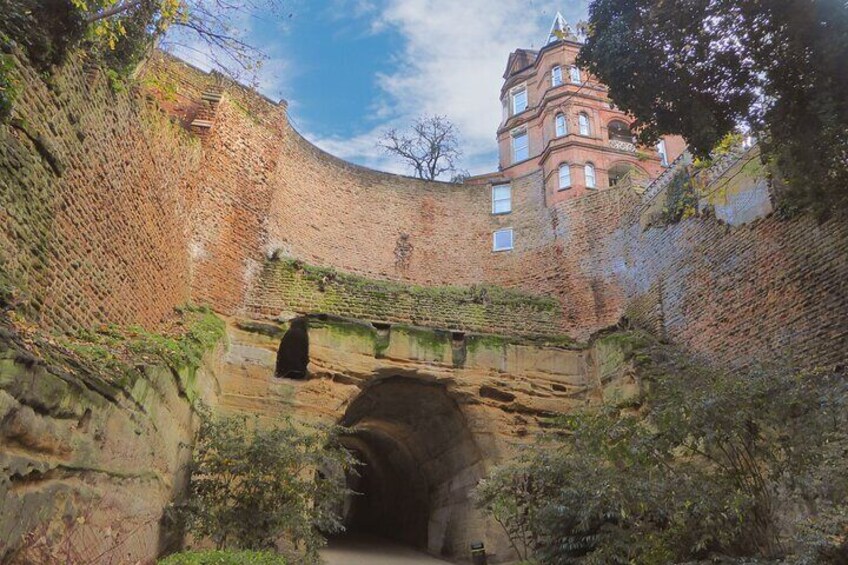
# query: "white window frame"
[564,167]
[594,175]
[556,76]
[585,124]
[663,153]
[495,248]
[574,75]
[499,199]
[559,120]
[514,97]
[515,136]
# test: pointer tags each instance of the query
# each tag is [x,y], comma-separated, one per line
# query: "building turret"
[558,118]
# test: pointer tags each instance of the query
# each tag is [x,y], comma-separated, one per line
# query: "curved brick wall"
[110,214]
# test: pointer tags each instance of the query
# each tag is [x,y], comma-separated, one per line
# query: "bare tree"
[207,26]
[431,148]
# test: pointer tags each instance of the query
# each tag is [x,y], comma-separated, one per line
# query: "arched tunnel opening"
[293,353]
[420,462]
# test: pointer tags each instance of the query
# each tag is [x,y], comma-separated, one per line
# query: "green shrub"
[252,485]
[707,464]
[224,557]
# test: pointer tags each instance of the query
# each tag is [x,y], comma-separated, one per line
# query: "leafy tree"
[122,31]
[701,68]
[250,485]
[705,464]
[508,497]
[431,149]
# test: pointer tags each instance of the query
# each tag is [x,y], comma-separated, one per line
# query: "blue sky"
[352,68]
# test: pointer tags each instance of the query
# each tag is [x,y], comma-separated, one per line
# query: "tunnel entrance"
[293,353]
[420,463]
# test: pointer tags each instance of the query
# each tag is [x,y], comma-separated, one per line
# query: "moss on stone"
[327,278]
[119,354]
[432,341]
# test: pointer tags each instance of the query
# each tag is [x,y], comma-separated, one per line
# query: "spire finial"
[560,29]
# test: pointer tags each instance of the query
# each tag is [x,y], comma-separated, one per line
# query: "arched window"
[589,174]
[584,124]
[575,74]
[560,124]
[556,76]
[618,171]
[564,176]
[619,131]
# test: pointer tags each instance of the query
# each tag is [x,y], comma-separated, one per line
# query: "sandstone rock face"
[430,412]
[86,467]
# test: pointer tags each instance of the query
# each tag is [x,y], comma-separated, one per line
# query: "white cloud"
[452,64]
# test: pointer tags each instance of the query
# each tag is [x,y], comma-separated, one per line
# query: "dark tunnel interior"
[414,443]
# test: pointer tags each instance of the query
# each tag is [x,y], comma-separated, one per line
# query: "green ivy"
[9,88]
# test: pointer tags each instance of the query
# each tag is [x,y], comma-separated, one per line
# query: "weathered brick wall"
[91,201]
[768,291]
[232,190]
[110,214]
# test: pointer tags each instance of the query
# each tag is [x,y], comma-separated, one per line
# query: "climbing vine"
[681,198]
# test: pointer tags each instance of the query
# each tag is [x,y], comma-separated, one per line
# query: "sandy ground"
[362,550]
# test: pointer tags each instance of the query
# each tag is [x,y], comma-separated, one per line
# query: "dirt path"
[359,550]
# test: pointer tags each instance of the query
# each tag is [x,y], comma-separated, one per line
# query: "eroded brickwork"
[91,201]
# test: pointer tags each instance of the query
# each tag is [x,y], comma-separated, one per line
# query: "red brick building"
[558,118]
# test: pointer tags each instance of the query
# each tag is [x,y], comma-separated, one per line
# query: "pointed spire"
[560,29]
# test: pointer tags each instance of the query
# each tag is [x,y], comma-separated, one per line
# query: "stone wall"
[91,456]
[92,201]
[423,407]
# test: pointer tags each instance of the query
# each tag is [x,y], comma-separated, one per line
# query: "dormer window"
[583,120]
[575,75]
[560,125]
[519,100]
[556,76]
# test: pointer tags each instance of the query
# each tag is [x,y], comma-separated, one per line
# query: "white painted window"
[502,240]
[589,173]
[584,124]
[663,153]
[520,146]
[575,74]
[564,176]
[561,126]
[501,199]
[556,76]
[519,101]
